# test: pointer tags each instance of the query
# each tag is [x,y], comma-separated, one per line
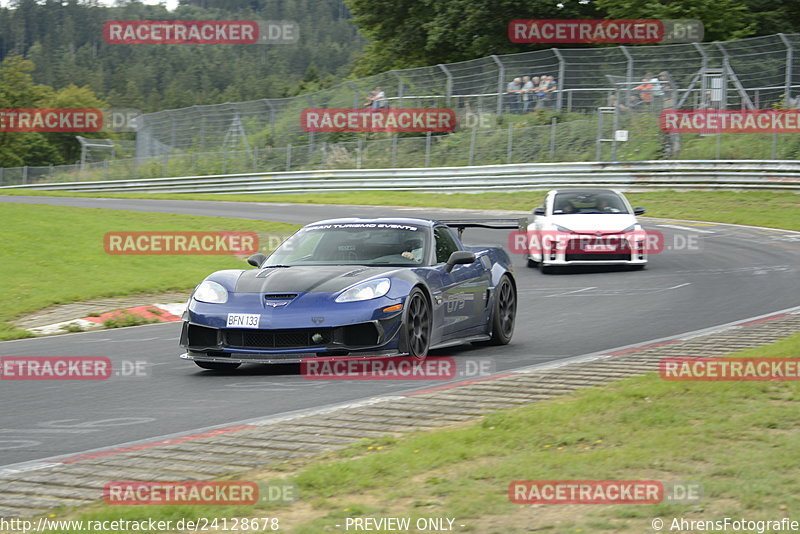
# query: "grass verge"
[55,255]
[739,440]
[776,209]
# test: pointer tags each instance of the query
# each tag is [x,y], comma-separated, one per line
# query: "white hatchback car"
[586,227]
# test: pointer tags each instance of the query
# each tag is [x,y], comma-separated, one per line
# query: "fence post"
[628,73]
[560,82]
[510,144]
[428,149]
[172,139]
[311,135]
[394,151]
[501,75]
[789,59]
[359,149]
[356,100]
[24,175]
[449,86]
[289,157]
[255,158]
[472,144]
[553,127]
[1,175]
[271,119]
[400,87]
[324,151]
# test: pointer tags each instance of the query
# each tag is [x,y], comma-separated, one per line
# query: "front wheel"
[505,312]
[218,366]
[417,325]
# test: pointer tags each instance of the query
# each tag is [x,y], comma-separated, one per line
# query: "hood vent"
[280,296]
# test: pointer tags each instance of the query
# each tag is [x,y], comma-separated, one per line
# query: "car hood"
[303,279]
[594,222]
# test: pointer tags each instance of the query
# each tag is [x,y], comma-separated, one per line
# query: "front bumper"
[574,250]
[369,335]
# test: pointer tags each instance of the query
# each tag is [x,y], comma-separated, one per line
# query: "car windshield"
[353,243]
[579,203]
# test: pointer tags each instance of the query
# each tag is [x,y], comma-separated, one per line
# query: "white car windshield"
[353,243]
[579,203]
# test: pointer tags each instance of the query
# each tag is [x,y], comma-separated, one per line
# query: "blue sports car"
[357,287]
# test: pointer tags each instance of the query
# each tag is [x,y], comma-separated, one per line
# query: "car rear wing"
[492,224]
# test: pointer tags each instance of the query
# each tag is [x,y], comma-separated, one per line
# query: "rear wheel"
[505,312]
[417,325]
[218,366]
[532,263]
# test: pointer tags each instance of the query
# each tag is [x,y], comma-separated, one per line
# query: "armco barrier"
[687,174]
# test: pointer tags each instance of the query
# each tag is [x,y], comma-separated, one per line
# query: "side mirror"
[459,257]
[256,259]
[538,211]
[639,211]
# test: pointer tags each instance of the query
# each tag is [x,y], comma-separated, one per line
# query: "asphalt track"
[739,272]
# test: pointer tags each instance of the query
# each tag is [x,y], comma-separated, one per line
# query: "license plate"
[600,247]
[243,320]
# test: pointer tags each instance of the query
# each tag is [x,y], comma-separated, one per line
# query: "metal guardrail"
[687,174]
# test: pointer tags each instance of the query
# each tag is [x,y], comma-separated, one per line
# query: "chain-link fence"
[595,95]
[757,72]
[590,139]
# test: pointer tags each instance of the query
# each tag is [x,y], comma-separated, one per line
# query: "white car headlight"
[632,228]
[562,229]
[371,289]
[211,292]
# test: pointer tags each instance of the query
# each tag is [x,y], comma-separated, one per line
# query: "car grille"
[596,256]
[277,339]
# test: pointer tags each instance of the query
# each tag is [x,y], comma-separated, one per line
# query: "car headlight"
[632,228]
[562,229]
[211,292]
[371,289]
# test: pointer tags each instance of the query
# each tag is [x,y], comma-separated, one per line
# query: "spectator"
[370,99]
[547,88]
[644,91]
[376,100]
[379,102]
[528,96]
[513,91]
[541,90]
[667,89]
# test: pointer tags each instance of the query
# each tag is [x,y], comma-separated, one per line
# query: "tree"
[722,19]
[72,97]
[415,33]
